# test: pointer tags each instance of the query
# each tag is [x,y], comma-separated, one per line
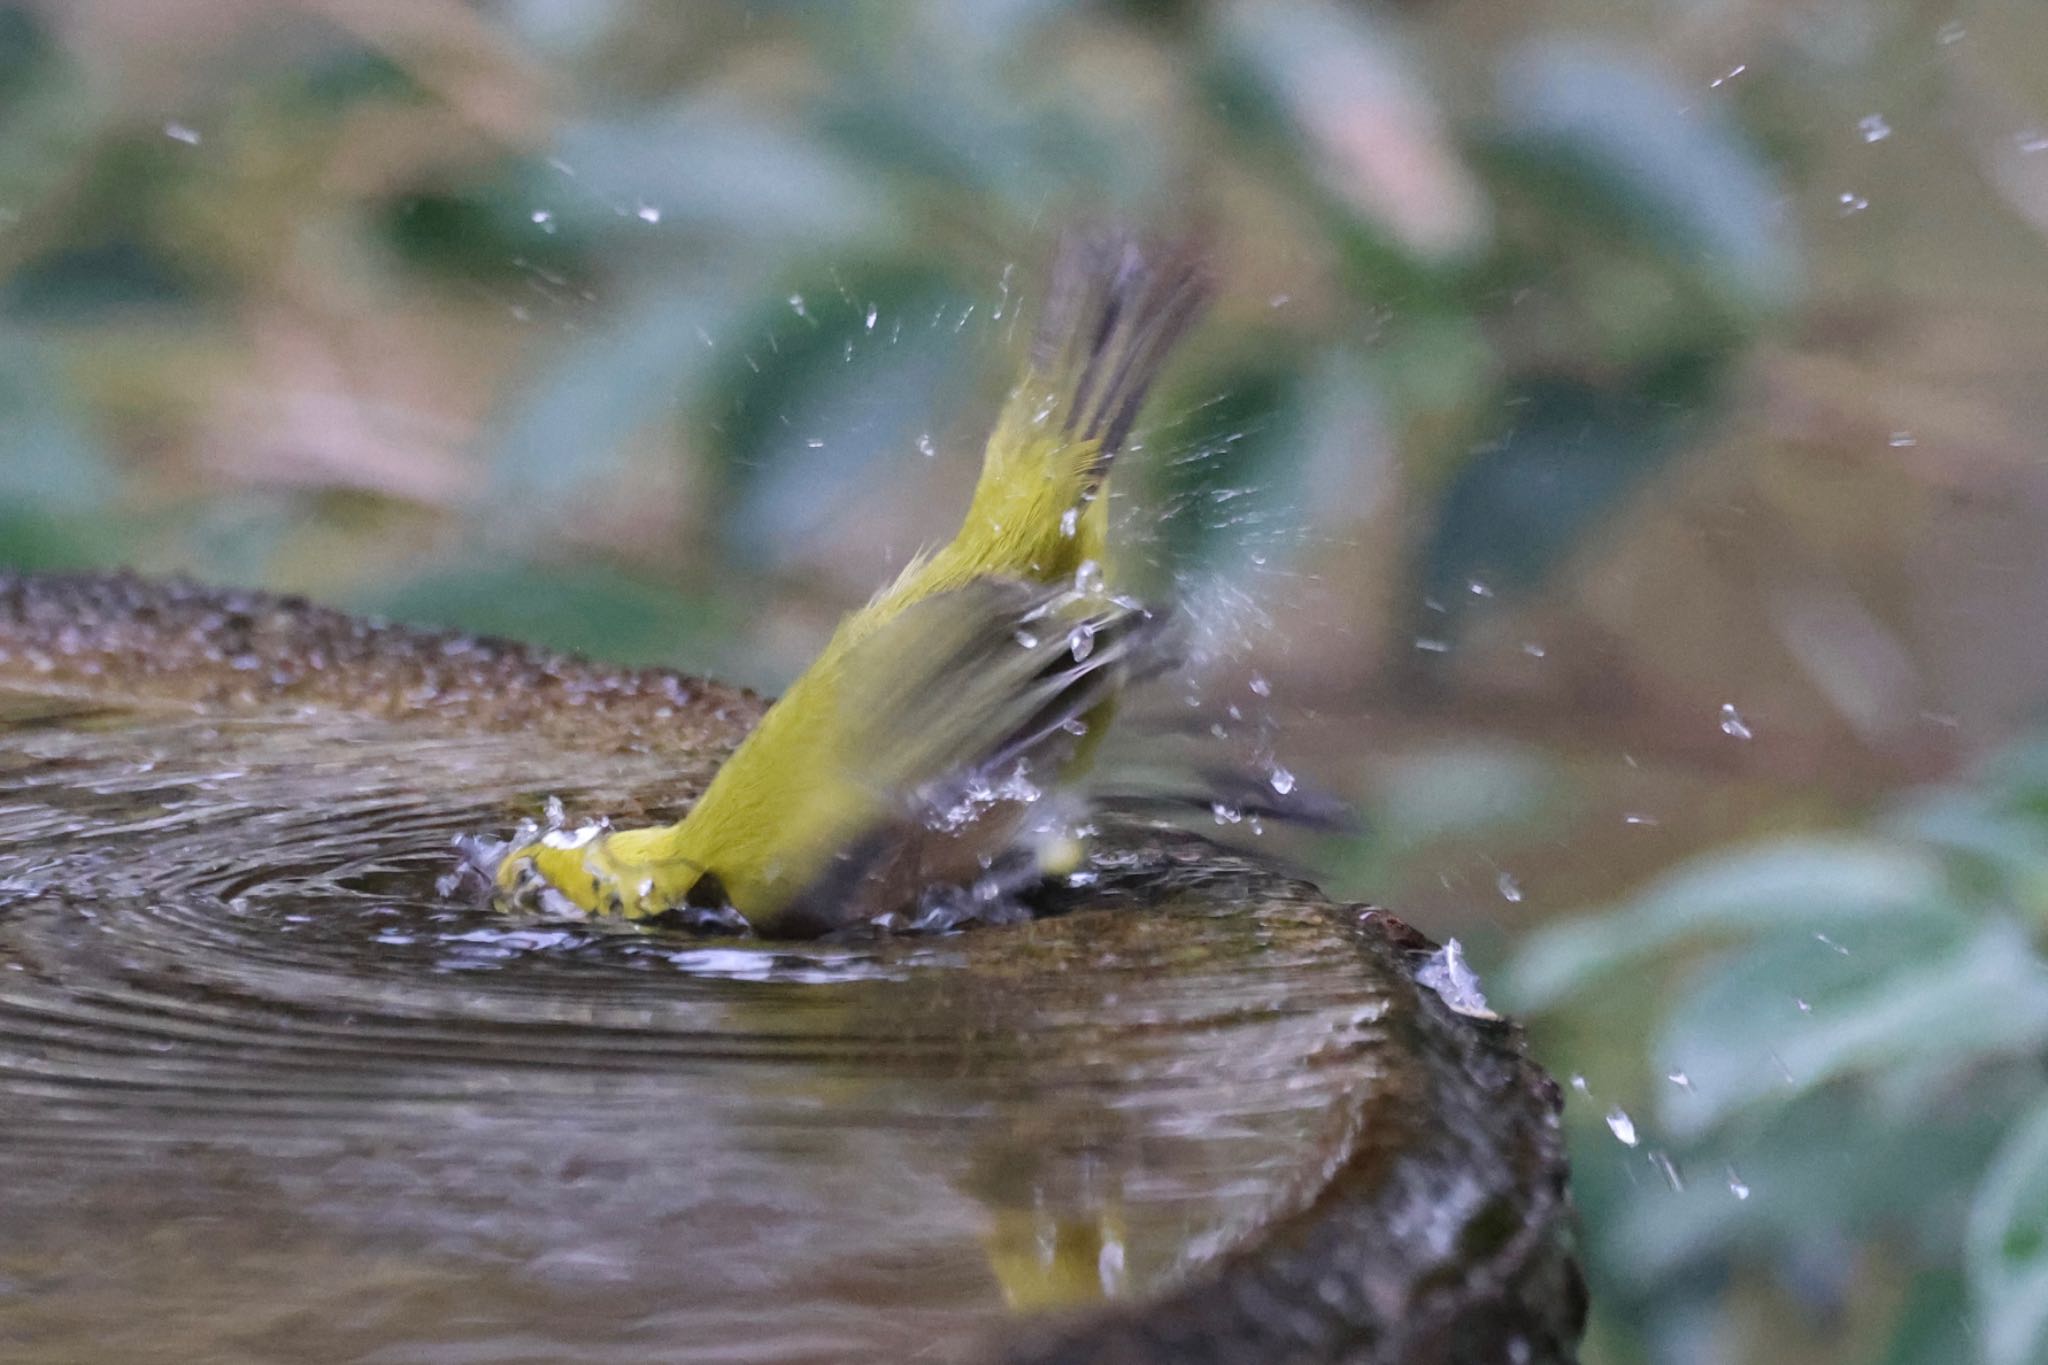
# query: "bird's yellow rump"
[911,752]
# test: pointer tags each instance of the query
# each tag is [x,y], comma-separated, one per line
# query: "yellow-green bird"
[917,751]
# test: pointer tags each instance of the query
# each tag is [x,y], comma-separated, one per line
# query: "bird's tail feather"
[1112,314]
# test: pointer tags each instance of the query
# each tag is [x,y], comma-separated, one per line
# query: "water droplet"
[1902,440]
[2033,144]
[1736,1185]
[1849,203]
[1669,1169]
[1873,128]
[542,217]
[1226,814]
[1109,1268]
[572,838]
[814,443]
[1478,589]
[1681,1080]
[1430,645]
[1824,940]
[1447,973]
[1951,32]
[1579,1084]
[1638,818]
[1622,1126]
[1732,723]
[1805,1007]
[1081,642]
[557,817]
[1510,889]
[1070,521]
[1534,650]
[1026,640]
[647,213]
[925,446]
[178,132]
[1728,76]
[796,306]
[1260,687]
[874,314]
[1282,780]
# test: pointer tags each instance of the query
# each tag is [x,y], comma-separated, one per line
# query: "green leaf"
[1819,1168]
[830,384]
[1208,478]
[2001,854]
[571,420]
[1461,790]
[48,462]
[1602,134]
[1933,1328]
[907,113]
[31,540]
[2007,1258]
[592,611]
[1927,993]
[485,233]
[1570,454]
[1816,884]
[26,46]
[708,165]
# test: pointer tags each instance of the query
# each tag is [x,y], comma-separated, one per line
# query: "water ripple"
[243,1042]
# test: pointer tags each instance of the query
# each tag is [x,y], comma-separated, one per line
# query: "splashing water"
[242,1035]
[1447,973]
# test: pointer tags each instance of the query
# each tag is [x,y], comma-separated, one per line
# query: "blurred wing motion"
[911,756]
[961,723]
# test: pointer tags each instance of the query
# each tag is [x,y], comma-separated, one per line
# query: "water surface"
[266,1092]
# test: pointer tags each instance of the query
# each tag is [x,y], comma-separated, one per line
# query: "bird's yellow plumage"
[903,756]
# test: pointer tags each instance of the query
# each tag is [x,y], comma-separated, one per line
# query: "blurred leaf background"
[1615,461]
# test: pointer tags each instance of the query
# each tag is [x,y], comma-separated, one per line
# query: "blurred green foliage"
[781,245]
[1579,370]
[1845,1035]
